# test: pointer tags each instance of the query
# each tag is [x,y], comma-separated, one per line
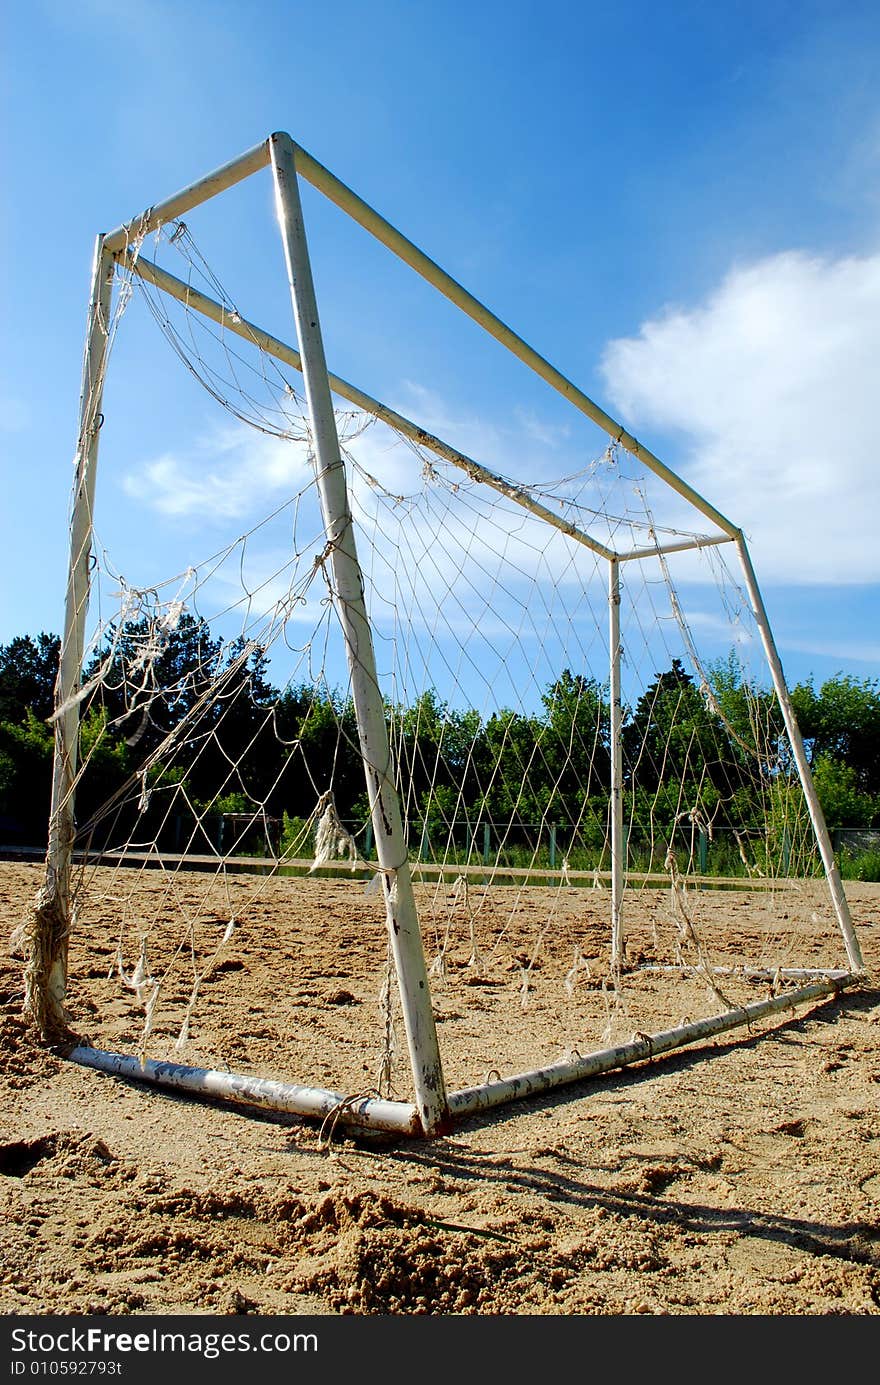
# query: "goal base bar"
[370,1112]
[642,1048]
[402,1118]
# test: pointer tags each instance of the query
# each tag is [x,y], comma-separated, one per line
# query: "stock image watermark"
[102,1351]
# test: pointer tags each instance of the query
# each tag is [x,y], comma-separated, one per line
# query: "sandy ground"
[739,1177]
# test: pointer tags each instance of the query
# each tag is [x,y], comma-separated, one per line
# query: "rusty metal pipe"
[368,1112]
[641,1049]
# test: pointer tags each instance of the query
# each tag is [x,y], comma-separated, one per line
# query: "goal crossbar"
[348,201]
[232,321]
[220,180]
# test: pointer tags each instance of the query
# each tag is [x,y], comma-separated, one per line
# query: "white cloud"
[549,435]
[233,472]
[715,623]
[772,382]
[482,440]
[518,443]
[858,650]
[270,587]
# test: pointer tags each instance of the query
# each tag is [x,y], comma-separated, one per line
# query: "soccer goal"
[422,783]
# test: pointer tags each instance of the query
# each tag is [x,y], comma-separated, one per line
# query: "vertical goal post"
[433,1108]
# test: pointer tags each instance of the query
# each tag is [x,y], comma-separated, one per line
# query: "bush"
[295,837]
[865,866]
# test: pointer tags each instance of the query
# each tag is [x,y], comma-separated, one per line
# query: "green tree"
[323,752]
[154,678]
[28,669]
[844,803]
[435,749]
[26,750]
[751,714]
[575,744]
[514,784]
[105,766]
[842,720]
[669,738]
[240,752]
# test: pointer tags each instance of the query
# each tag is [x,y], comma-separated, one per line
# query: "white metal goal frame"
[433,1108]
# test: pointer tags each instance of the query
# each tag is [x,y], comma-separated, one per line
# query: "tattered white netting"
[221,786]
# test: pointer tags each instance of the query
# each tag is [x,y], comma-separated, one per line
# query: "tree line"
[183,713]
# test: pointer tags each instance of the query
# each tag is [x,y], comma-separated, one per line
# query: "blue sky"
[677,204]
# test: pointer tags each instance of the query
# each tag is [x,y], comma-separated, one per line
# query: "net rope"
[216,705]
